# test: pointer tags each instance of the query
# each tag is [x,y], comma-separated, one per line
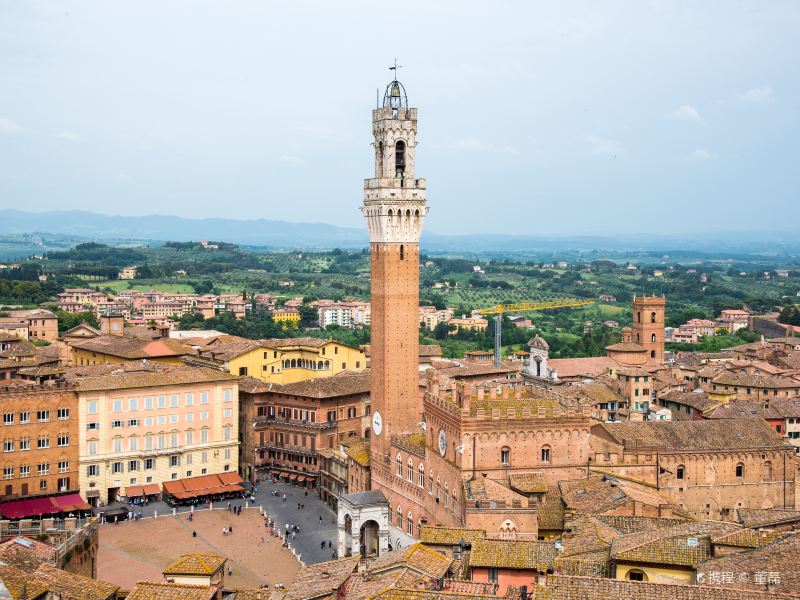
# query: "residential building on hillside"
[289,318]
[148,424]
[430,316]
[468,324]
[128,272]
[733,320]
[42,324]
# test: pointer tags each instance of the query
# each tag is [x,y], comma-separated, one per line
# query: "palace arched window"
[410,470]
[421,476]
[545,454]
[505,455]
[740,470]
[680,472]
[399,466]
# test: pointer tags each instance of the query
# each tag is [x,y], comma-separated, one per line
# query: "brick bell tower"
[394,207]
[648,325]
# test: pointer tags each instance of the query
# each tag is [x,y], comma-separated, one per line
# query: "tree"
[790,315]
[67,321]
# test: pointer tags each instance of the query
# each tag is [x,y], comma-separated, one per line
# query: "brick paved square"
[139,550]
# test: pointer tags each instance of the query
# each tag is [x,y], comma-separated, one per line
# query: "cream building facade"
[147,424]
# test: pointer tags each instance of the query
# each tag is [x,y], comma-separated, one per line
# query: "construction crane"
[499,309]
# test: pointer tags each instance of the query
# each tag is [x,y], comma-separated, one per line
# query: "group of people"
[235,509]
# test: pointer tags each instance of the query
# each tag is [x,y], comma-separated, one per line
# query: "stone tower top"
[394,199]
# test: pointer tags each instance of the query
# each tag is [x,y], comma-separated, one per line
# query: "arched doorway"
[368,538]
[348,535]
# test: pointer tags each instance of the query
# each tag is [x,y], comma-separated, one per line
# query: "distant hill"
[282,234]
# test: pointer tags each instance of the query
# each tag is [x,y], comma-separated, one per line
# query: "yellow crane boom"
[499,309]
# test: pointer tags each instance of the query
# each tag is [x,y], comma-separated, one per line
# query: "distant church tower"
[394,207]
[648,325]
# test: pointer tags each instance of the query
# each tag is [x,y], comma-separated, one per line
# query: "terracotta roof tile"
[528,483]
[135,375]
[528,555]
[132,348]
[151,590]
[428,561]
[561,587]
[346,383]
[313,581]
[196,564]
[686,544]
[694,435]
[763,517]
[779,556]
[450,536]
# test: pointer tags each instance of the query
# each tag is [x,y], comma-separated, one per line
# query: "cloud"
[686,113]
[69,136]
[475,145]
[122,178]
[603,146]
[290,160]
[700,155]
[762,95]
[7,126]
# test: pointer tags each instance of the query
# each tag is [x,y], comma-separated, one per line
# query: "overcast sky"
[534,117]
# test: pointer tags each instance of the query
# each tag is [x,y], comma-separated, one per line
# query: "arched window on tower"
[653,338]
[638,317]
[652,317]
[380,159]
[402,252]
[400,159]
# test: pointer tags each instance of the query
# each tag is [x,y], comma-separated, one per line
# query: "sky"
[535,117]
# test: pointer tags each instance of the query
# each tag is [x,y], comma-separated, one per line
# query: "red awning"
[205,485]
[134,491]
[300,478]
[70,502]
[151,489]
[230,478]
[293,476]
[47,505]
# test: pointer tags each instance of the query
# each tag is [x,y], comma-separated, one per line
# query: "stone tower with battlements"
[648,325]
[394,207]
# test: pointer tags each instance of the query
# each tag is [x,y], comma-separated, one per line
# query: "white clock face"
[377,423]
[442,442]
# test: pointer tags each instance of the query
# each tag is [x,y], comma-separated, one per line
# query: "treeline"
[259,325]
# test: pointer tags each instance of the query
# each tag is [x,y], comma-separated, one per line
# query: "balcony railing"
[286,448]
[294,423]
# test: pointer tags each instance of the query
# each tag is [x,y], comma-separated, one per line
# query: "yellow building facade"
[288,317]
[153,424]
[284,361]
